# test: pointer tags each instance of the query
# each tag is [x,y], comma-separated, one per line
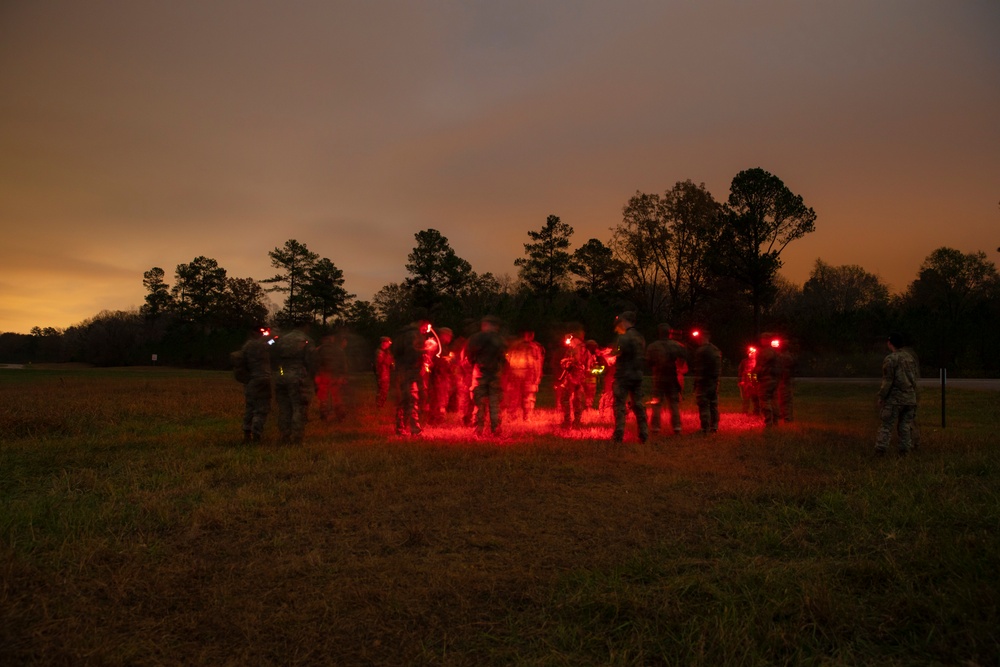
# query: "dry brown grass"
[138,531]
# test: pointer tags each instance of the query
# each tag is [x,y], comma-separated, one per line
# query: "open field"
[135,529]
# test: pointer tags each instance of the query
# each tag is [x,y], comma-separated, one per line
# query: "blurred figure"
[410,355]
[606,403]
[767,378]
[294,367]
[630,353]
[331,377]
[593,375]
[897,398]
[748,382]
[442,386]
[785,372]
[252,367]
[486,351]
[525,360]
[383,366]
[667,359]
[707,367]
[575,366]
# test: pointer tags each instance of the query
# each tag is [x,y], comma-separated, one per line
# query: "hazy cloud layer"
[135,135]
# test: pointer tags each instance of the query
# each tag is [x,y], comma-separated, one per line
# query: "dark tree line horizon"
[680,257]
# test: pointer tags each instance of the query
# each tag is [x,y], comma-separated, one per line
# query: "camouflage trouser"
[625,389]
[706,395]
[900,418]
[785,400]
[520,393]
[330,396]
[666,396]
[293,394]
[573,402]
[769,402]
[487,395]
[408,397]
[257,394]
[382,393]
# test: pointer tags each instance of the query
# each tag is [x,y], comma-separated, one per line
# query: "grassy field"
[135,529]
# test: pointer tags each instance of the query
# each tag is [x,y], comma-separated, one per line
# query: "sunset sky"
[141,133]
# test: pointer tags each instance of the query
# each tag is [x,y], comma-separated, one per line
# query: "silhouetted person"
[630,353]
[486,351]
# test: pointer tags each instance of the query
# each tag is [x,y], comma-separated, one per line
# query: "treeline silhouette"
[679,257]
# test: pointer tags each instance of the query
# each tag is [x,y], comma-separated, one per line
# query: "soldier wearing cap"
[629,357]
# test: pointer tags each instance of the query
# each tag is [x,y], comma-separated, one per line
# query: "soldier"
[629,355]
[767,378]
[707,366]
[590,381]
[442,385]
[486,351]
[383,366]
[525,360]
[897,398]
[575,365]
[748,382]
[331,377]
[252,366]
[410,356]
[293,366]
[667,359]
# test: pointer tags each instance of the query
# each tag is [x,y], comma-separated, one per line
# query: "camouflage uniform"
[629,357]
[442,386]
[525,360]
[293,365]
[897,399]
[707,366]
[749,391]
[576,364]
[767,380]
[486,352]
[410,353]
[384,363]
[256,360]
[667,359]
[331,377]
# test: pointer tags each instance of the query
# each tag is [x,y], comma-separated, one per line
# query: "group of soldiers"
[487,376]
[430,373]
[294,370]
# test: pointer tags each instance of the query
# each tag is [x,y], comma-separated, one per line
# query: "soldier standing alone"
[897,398]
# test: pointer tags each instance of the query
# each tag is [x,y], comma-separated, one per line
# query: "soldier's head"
[895,340]
[489,323]
[528,334]
[625,321]
[384,342]
[446,335]
[591,345]
[663,330]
